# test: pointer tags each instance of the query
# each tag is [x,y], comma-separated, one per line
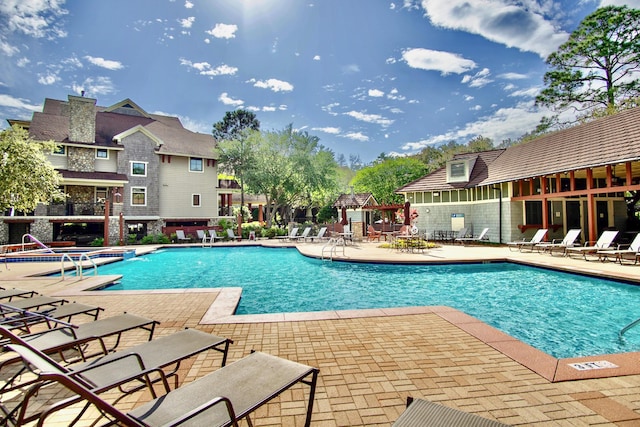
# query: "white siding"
[178,184]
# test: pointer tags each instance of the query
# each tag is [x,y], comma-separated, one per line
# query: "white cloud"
[48,79]
[223,31]
[104,63]
[35,18]
[19,103]
[273,84]
[531,92]
[227,100]
[522,25]
[435,60]
[7,49]
[95,86]
[357,136]
[330,130]
[188,5]
[468,98]
[351,69]
[187,22]
[503,124]
[23,62]
[375,93]
[205,69]
[316,58]
[480,79]
[513,76]
[476,108]
[370,118]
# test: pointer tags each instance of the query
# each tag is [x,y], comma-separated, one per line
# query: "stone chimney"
[82,119]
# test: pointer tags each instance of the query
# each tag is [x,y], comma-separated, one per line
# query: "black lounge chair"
[220,398]
[422,413]
[9,294]
[145,362]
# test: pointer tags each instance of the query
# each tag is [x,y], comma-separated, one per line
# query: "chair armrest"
[202,408]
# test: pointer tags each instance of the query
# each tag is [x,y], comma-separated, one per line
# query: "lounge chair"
[604,241]
[201,236]
[520,245]
[479,238]
[292,234]
[9,294]
[373,234]
[232,236]
[568,241]
[620,253]
[17,317]
[303,236]
[145,362]
[221,398]
[181,237]
[214,236]
[76,337]
[318,236]
[423,413]
[461,234]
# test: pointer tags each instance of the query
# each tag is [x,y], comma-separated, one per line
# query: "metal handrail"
[333,244]
[66,256]
[629,326]
[85,256]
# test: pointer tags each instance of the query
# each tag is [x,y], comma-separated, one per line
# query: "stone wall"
[81,159]
[82,119]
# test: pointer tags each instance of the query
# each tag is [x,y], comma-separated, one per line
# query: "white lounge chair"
[201,236]
[213,236]
[232,236]
[479,238]
[292,234]
[521,244]
[181,237]
[303,236]
[568,241]
[604,241]
[318,236]
[620,253]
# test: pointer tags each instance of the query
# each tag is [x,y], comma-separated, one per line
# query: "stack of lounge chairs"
[98,372]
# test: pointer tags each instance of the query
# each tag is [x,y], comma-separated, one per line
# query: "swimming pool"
[562,314]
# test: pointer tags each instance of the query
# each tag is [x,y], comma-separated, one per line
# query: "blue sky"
[365,76]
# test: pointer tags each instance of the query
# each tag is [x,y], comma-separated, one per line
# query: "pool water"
[562,314]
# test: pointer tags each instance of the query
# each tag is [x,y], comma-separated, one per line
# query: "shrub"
[99,241]
[132,239]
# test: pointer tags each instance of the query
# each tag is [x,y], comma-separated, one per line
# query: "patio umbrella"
[344,221]
[407,214]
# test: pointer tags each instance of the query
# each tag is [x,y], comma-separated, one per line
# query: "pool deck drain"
[370,360]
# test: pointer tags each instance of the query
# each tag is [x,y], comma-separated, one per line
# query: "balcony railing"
[77,209]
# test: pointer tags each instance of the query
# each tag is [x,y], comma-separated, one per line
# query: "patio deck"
[371,360]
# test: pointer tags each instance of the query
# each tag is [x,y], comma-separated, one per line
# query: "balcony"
[77,209]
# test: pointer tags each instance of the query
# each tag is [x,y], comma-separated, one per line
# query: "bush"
[132,239]
[326,214]
[97,242]
[155,239]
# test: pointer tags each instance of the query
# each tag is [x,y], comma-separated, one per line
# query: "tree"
[291,170]
[231,134]
[383,178]
[26,176]
[596,68]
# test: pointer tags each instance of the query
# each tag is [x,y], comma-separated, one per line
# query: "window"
[195,200]
[60,150]
[138,196]
[459,170]
[533,212]
[102,153]
[195,164]
[139,168]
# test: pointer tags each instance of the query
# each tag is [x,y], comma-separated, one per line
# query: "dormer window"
[458,170]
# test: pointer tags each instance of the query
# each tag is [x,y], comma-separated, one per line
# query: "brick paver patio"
[370,361]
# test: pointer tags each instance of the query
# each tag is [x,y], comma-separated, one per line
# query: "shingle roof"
[609,140]
[53,124]
[102,176]
[355,200]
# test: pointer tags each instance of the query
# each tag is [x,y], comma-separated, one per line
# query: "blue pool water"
[562,314]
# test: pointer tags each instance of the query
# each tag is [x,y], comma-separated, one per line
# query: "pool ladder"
[332,245]
[629,326]
[78,265]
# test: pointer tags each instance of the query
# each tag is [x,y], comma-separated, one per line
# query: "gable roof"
[355,200]
[607,141]
[120,120]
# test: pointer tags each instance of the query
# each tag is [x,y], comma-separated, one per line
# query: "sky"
[365,76]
